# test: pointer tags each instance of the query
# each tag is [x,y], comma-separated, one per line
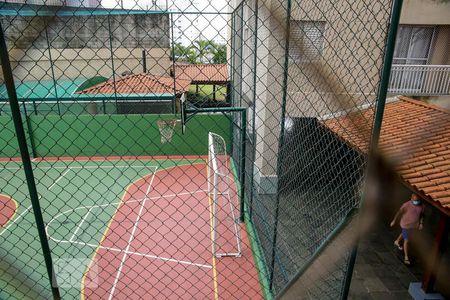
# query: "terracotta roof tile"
[141,83]
[445,200]
[414,134]
[202,73]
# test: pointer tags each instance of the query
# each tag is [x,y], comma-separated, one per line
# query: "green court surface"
[78,199]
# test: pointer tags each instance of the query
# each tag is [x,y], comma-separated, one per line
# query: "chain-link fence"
[117,213]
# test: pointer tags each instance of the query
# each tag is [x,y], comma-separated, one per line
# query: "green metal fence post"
[381,102]
[230,84]
[241,53]
[174,101]
[112,65]
[51,68]
[242,164]
[20,133]
[255,34]
[281,141]
[30,132]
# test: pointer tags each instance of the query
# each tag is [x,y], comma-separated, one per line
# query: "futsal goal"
[226,239]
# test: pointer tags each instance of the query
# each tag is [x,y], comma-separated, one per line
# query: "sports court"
[143,226]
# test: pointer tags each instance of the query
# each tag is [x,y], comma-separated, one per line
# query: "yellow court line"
[214,269]
[15,210]
[106,232]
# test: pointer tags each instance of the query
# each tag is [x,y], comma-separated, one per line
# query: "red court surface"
[8,209]
[159,245]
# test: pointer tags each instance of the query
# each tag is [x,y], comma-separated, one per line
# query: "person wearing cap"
[411,217]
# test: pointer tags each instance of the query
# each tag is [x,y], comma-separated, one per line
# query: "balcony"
[420,80]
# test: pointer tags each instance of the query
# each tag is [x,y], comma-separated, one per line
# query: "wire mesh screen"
[95,206]
[303,63]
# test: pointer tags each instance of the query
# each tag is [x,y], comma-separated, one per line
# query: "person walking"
[411,217]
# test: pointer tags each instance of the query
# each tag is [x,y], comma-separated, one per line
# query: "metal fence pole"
[112,65]
[20,133]
[231,85]
[255,59]
[51,68]
[381,102]
[241,53]
[174,101]
[30,131]
[242,164]
[281,141]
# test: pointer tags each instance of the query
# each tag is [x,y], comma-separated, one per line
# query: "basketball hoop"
[166,127]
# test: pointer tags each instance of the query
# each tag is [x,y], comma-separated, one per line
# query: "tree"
[185,54]
[220,54]
[201,51]
[203,48]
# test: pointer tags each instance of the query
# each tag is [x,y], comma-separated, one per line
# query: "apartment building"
[421,66]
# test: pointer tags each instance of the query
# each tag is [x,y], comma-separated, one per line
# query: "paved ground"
[379,271]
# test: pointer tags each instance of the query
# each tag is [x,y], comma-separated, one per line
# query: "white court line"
[184,262]
[129,201]
[29,207]
[108,204]
[89,207]
[80,167]
[131,237]
[110,167]
[79,225]
[59,178]
[16,219]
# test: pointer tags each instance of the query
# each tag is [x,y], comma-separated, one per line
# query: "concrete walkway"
[379,271]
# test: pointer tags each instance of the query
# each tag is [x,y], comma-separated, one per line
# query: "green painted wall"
[108,135]
[8,140]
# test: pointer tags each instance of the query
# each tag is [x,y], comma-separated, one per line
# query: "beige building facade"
[335,58]
[84,45]
[334,63]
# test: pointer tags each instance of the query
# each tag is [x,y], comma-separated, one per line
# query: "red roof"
[141,83]
[414,134]
[202,73]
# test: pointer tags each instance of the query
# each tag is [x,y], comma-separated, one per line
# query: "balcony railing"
[420,80]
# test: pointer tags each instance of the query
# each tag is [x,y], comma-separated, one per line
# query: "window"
[306,41]
[413,44]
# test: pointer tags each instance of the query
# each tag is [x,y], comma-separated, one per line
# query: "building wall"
[84,46]
[347,75]
[86,63]
[425,12]
[432,13]
[348,72]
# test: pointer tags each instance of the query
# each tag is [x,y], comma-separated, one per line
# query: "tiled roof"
[141,83]
[416,136]
[202,73]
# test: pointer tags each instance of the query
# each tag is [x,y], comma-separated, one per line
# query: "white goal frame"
[216,172]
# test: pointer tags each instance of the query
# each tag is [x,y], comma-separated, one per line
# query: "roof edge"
[424,104]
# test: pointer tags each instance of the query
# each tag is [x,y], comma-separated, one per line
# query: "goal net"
[222,190]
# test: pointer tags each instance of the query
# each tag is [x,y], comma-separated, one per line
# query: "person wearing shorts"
[411,217]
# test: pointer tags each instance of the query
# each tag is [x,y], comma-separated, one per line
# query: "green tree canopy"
[201,52]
